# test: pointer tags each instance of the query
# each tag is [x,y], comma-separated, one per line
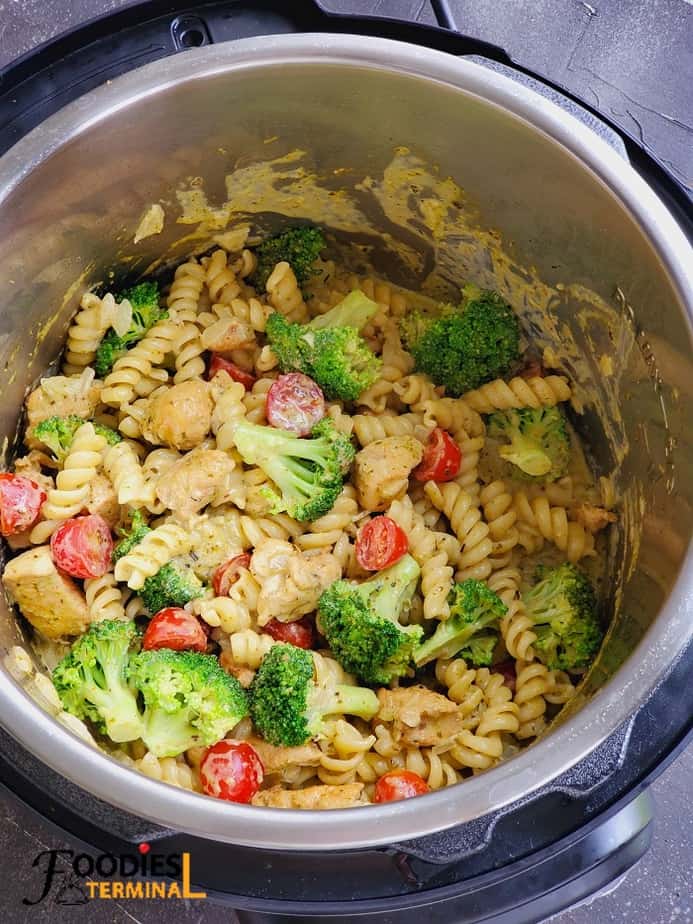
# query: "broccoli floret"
[308,472]
[473,607]
[329,349]
[172,585]
[563,608]
[57,433]
[360,622]
[479,649]
[188,700]
[92,679]
[146,312]
[300,247]
[464,347]
[539,442]
[137,531]
[288,706]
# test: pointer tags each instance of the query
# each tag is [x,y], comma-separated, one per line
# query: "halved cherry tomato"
[295,403]
[399,784]
[20,503]
[217,363]
[441,459]
[380,543]
[176,628]
[507,669]
[82,546]
[299,633]
[231,770]
[227,574]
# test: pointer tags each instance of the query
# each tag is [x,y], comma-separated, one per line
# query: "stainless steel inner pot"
[74,190]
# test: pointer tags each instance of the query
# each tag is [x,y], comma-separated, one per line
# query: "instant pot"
[106,119]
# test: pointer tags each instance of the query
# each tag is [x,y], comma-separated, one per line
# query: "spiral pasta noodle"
[416,390]
[537,391]
[328,529]
[135,372]
[188,348]
[104,598]
[184,294]
[436,572]
[532,682]
[552,523]
[248,648]
[285,295]
[343,751]
[459,680]
[453,414]
[220,279]
[151,553]
[94,317]
[500,514]
[468,475]
[71,491]
[229,409]
[127,476]
[255,400]
[369,428]
[517,628]
[467,524]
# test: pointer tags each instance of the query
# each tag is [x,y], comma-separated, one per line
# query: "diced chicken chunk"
[419,717]
[593,518]
[30,467]
[201,477]
[276,759]
[179,416]
[59,395]
[103,499]
[291,582]
[381,470]
[312,797]
[227,334]
[215,538]
[51,601]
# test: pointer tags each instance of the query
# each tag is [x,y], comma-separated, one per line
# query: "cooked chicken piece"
[103,500]
[59,395]
[215,538]
[291,582]
[30,467]
[418,716]
[312,797]
[593,518]
[381,470]
[51,601]
[275,759]
[179,416]
[228,334]
[201,477]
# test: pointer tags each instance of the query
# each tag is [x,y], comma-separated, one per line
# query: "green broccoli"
[563,608]
[172,585]
[300,247]
[308,472]
[539,442]
[288,706]
[329,348]
[92,679]
[146,312]
[137,531]
[57,433]
[479,649]
[473,607]
[188,700]
[464,347]
[360,622]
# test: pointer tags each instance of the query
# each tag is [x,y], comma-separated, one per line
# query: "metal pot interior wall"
[523,215]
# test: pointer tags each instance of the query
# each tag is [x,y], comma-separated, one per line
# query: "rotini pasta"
[136,372]
[285,295]
[151,553]
[88,327]
[551,523]
[518,392]
[467,524]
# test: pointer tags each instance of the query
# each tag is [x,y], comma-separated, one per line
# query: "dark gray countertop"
[634,60]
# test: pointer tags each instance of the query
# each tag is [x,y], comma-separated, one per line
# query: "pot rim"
[534,767]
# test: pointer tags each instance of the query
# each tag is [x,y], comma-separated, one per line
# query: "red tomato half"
[20,503]
[380,543]
[441,459]
[176,628]
[82,546]
[227,574]
[295,403]
[218,364]
[232,770]
[299,633]
[399,784]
